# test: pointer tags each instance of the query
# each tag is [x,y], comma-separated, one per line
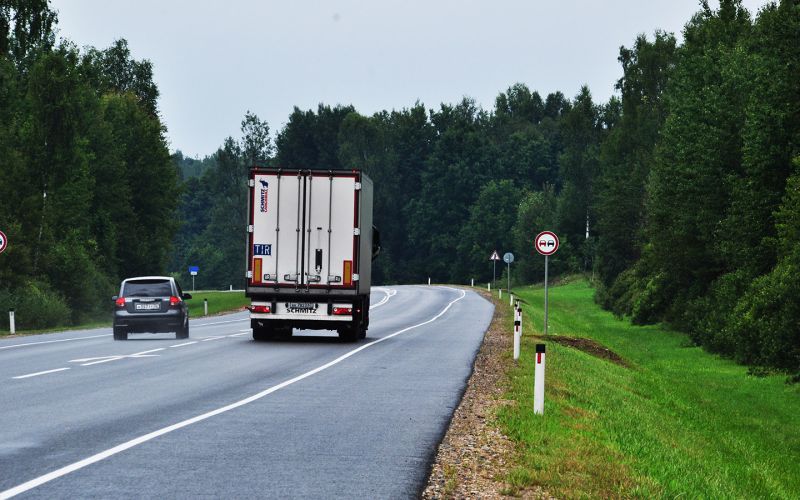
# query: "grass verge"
[671,421]
[218,302]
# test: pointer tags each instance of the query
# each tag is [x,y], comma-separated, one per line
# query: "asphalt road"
[218,415]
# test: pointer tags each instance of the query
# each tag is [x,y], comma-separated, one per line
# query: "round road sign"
[3,241]
[508,257]
[546,243]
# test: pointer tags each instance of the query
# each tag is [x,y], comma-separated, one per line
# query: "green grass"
[218,302]
[679,422]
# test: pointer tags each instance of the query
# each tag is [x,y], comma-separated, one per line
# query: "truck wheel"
[260,333]
[120,333]
[349,333]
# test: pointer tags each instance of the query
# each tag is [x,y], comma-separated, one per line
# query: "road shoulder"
[475,457]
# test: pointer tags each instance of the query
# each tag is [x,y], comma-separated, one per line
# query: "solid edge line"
[33,483]
[40,373]
[53,341]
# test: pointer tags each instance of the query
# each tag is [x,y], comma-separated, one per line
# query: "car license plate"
[301,307]
[152,306]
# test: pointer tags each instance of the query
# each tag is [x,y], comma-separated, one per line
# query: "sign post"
[193,270]
[494,258]
[508,258]
[546,244]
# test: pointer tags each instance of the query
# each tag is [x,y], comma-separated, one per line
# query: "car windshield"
[146,288]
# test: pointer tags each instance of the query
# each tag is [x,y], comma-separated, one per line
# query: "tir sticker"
[262,249]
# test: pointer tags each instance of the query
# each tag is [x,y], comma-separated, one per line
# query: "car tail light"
[120,302]
[174,301]
[260,309]
[342,311]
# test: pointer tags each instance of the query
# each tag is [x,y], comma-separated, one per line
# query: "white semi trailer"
[309,251]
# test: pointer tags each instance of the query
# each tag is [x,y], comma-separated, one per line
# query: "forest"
[679,197]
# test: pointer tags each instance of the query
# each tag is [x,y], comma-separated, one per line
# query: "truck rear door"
[303,229]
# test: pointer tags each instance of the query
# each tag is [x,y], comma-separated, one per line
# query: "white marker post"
[12,327]
[489,286]
[205,307]
[472,282]
[499,293]
[519,311]
[517,334]
[429,280]
[538,381]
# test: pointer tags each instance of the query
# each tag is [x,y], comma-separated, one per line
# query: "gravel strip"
[474,457]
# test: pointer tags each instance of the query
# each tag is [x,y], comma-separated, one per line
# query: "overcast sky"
[215,60]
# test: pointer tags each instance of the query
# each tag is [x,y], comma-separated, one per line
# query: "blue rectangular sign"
[262,249]
[194,269]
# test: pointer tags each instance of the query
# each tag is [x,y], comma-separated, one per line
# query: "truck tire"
[266,332]
[349,333]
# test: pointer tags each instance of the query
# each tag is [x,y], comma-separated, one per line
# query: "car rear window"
[147,288]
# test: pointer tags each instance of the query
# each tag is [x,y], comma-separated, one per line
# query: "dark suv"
[151,304]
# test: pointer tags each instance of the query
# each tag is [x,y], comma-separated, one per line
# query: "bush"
[765,323]
[36,305]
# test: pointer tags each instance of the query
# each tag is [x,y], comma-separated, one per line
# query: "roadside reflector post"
[499,293]
[429,280]
[472,282]
[489,286]
[517,334]
[205,307]
[511,299]
[519,317]
[538,381]
[12,327]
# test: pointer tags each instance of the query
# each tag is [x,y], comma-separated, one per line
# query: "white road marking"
[41,373]
[53,341]
[389,293]
[63,471]
[239,334]
[212,338]
[185,343]
[105,359]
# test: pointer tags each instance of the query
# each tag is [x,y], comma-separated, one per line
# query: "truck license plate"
[301,307]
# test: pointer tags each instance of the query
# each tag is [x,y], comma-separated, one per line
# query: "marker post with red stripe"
[538,381]
[517,331]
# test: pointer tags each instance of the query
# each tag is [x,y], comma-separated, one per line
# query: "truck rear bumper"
[300,317]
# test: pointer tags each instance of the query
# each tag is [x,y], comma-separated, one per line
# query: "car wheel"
[183,332]
[120,333]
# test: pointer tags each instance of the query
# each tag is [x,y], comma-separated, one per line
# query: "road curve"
[219,415]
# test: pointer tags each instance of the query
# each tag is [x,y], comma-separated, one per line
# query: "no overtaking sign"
[546,243]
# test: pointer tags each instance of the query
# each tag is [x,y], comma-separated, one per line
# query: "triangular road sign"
[494,256]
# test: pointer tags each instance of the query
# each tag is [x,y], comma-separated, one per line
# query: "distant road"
[218,415]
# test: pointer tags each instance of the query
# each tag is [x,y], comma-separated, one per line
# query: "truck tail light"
[120,302]
[174,301]
[260,309]
[342,311]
